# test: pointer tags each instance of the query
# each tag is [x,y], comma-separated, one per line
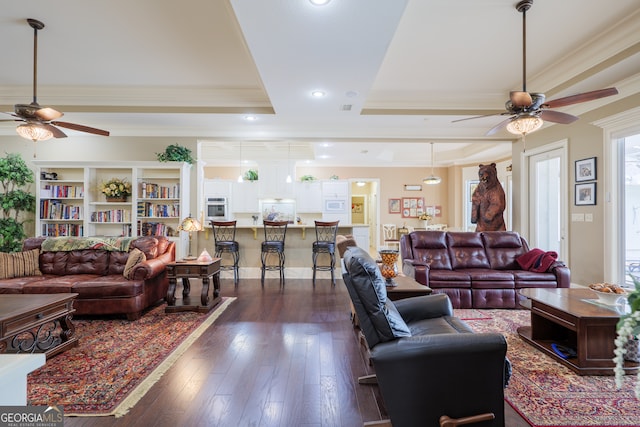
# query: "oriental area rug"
[546,393]
[117,361]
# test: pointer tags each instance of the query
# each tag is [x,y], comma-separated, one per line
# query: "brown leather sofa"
[97,277]
[476,270]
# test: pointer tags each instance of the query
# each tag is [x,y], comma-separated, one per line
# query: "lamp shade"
[190,224]
[34,131]
[525,124]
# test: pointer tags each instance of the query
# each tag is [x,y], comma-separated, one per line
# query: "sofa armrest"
[424,377]
[417,270]
[148,269]
[153,267]
[424,307]
[563,276]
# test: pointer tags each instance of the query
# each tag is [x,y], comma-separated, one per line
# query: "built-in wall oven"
[217,208]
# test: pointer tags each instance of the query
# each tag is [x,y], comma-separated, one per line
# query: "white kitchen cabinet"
[273,180]
[245,197]
[216,187]
[308,197]
[335,189]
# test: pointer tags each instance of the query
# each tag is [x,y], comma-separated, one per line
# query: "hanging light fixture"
[240,179]
[289,180]
[432,179]
[524,124]
[34,131]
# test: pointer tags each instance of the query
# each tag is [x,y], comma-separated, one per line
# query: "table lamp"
[190,224]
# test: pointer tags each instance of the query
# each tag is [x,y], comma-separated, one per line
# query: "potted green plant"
[175,153]
[251,175]
[14,201]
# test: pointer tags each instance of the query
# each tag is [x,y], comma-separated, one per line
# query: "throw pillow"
[136,256]
[19,264]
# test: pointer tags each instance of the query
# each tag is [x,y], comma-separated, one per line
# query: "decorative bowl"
[610,298]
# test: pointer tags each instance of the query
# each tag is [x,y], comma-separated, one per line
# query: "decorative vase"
[117,199]
[389,267]
[426,223]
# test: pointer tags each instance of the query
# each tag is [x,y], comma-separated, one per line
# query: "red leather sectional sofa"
[97,276]
[475,269]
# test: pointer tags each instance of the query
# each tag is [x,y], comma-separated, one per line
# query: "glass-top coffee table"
[574,318]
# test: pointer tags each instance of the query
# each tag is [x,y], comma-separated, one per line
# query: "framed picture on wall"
[395,206]
[586,169]
[412,207]
[586,194]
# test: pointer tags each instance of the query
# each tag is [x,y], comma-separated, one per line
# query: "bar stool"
[325,244]
[224,235]
[274,235]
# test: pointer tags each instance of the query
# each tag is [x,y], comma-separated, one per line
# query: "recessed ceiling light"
[250,118]
[319,2]
[318,93]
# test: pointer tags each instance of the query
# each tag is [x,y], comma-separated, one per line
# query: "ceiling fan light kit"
[525,124]
[34,131]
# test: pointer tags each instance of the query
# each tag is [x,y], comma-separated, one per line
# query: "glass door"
[547,201]
[630,235]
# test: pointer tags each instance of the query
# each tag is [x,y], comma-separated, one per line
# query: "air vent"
[346,107]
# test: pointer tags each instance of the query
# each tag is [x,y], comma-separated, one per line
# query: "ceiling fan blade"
[81,128]
[47,114]
[477,117]
[499,126]
[520,99]
[557,117]
[57,133]
[581,97]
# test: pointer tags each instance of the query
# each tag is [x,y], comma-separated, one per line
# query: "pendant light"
[432,179]
[240,179]
[289,180]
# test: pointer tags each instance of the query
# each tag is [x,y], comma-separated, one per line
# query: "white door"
[548,201]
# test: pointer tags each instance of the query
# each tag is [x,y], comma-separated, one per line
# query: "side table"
[186,270]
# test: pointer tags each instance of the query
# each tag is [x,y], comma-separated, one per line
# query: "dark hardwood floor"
[276,357]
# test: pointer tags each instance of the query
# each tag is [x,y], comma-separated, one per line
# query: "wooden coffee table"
[407,288]
[573,317]
[37,323]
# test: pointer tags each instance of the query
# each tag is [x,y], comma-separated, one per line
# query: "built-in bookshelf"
[70,203]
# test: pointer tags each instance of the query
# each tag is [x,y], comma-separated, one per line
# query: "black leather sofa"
[428,363]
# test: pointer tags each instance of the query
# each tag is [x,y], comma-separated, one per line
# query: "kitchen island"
[298,243]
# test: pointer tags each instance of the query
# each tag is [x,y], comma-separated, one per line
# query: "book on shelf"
[62,230]
[57,209]
[149,190]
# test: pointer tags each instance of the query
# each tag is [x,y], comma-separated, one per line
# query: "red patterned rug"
[548,394]
[117,361]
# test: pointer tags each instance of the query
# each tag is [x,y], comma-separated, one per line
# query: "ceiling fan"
[528,110]
[41,122]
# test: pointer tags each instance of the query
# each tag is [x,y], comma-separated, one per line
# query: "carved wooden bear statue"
[488,201]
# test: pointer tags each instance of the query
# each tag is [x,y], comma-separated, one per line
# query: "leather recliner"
[428,363]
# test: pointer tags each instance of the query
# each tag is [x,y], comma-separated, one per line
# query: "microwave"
[335,205]
[217,208]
